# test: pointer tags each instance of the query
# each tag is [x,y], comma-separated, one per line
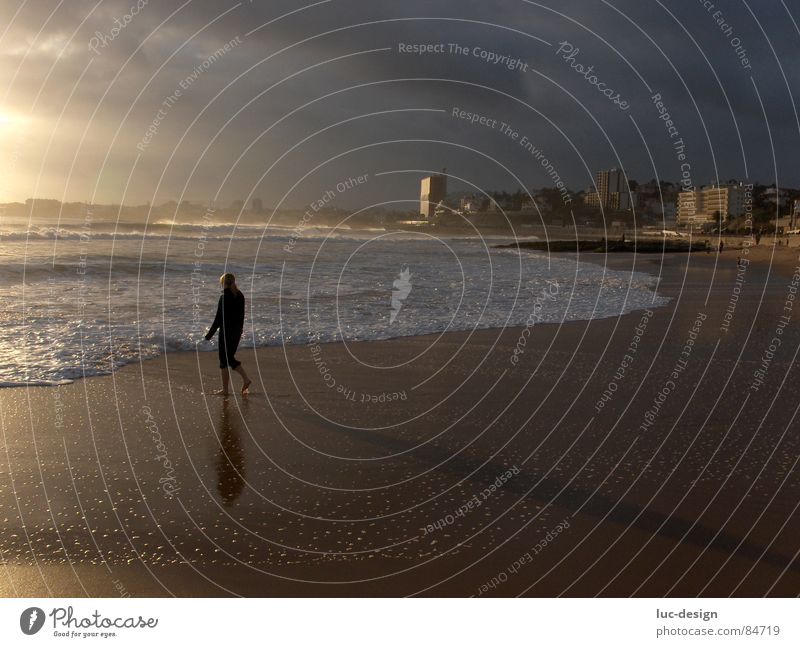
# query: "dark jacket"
[230,315]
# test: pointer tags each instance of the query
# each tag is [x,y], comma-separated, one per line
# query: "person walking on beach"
[230,323]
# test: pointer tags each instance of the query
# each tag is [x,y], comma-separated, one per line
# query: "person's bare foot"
[246,387]
[221,392]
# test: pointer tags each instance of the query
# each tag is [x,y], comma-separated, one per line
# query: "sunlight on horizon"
[10,118]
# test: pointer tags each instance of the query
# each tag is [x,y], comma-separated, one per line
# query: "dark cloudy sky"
[311,93]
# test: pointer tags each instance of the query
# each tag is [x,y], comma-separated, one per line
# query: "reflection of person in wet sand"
[230,322]
[230,462]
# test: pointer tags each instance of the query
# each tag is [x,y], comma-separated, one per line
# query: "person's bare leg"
[226,380]
[247,381]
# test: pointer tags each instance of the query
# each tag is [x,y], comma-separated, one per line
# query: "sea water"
[82,300]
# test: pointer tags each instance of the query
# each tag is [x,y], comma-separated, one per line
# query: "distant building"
[779,197]
[620,200]
[258,205]
[795,212]
[612,191]
[610,182]
[710,203]
[592,198]
[433,190]
[689,209]
[470,204]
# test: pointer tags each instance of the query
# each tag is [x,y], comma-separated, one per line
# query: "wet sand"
[432,465]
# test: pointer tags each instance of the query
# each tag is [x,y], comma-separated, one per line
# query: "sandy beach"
[650,454]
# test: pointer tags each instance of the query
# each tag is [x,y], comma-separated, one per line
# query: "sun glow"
[12,127]
[9,121]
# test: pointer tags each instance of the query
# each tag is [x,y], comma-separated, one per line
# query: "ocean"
[84,299]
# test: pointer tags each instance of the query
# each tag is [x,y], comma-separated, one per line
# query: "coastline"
[586,251]
[307,489]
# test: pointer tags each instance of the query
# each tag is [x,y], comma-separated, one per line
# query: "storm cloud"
[133,101]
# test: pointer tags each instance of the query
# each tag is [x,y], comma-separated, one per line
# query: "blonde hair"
[228,280]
